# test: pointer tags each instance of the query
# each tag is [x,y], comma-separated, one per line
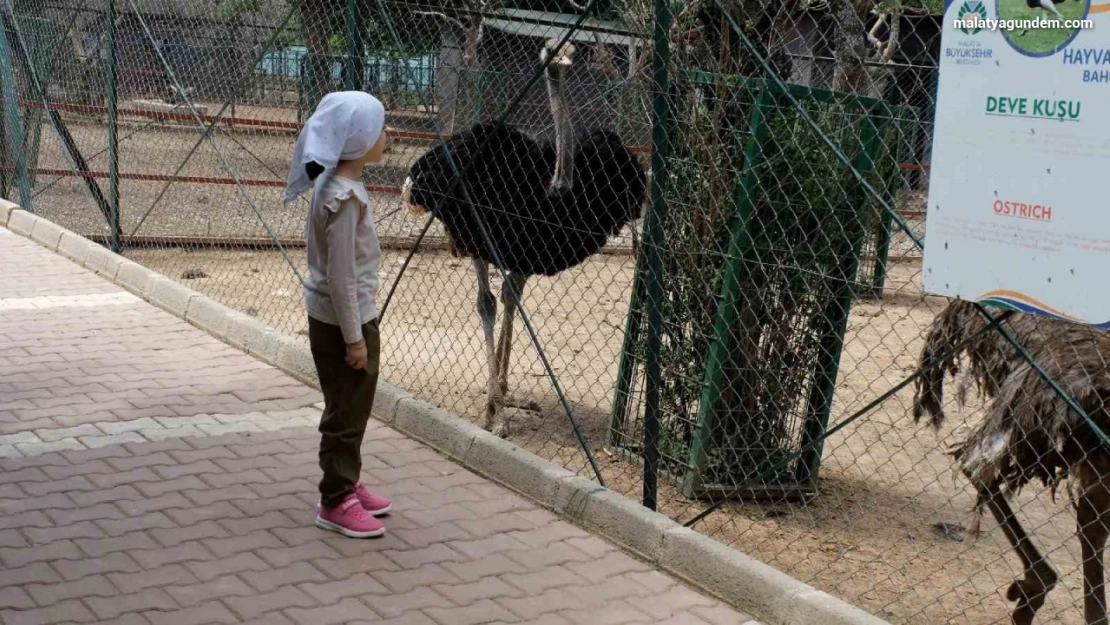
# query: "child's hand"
[356,355]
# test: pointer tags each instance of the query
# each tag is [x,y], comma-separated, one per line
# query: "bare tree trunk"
[451,59]
[884,53]
[850,44]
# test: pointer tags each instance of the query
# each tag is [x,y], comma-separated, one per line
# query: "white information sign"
[1022,139]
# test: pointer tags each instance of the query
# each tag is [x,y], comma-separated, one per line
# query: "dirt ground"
[873,535]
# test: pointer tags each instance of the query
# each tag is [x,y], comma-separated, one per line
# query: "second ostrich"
[544,208]
[1029,432]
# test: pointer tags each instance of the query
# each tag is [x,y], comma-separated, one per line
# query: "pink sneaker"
[372,503]
[349,519]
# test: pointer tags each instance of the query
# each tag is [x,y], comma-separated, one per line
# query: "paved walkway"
[152,474]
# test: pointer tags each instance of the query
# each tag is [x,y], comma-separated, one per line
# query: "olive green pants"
[348,397]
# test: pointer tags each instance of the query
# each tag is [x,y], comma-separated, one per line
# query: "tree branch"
[442,16]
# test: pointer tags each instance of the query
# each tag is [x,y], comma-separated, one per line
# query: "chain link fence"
[720,308]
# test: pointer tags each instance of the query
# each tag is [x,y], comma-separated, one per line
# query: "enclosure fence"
[704,221]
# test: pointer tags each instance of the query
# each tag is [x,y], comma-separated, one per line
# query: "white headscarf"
[345,125]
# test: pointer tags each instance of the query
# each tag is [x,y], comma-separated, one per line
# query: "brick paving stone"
[329,592]
[192,594]
[427,575]
[95,547]
[25,520]
[484,611]
[674,600]
[344,568]
[48,502]
[189,514]
[396,604]
[204,614]
[543,557]
[272,618]
[85,513]
[71,610]
[134,582]
[415,558]
[495,564]
[185,552]
[111,480]
[260,603]
[600,568]
[12,538]
[16,599]
[206,571]
[255,540]
[153,520]
[533,606]
[288,555]
[409,618]
[296,573]
[151,599]
[502,543]
[60,550]
[486,588]
[38,572]
[720,615]
[178,535]
[211,523]
[112,563]
[167,504]
[339,612]
[178,485]
[92,586]
[91,498]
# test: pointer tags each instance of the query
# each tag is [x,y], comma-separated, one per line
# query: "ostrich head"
[406,199]
[562,58]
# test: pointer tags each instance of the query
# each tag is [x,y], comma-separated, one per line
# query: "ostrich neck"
[564,134]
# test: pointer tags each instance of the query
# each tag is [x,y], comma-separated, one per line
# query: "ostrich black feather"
[536,229]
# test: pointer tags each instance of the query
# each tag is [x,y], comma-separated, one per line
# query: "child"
[346,132]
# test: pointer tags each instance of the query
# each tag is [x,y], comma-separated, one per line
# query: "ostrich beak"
[406,199]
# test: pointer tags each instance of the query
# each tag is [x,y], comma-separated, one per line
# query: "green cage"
[767,239]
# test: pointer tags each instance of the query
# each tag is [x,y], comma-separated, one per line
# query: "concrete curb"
[734,577]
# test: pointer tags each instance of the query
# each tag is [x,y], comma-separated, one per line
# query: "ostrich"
[1045,6]
[545,208]
[1029,432]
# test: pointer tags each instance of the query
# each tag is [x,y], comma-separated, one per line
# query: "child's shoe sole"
[334,527]
[383,511]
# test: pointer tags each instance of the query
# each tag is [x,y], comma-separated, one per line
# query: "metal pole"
[113,124]
[653,245]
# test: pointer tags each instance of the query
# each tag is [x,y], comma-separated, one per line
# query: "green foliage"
[803,236]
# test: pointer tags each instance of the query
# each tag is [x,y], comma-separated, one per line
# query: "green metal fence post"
[905,116]
[729,303]
[15,129]
[832,343]
[653,245]
[113,122]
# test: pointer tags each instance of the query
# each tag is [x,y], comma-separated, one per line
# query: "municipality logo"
[972,12]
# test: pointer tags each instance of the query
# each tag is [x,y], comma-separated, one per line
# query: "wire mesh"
[785,159]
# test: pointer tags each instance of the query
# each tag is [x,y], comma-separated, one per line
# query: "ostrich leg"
[1093,517]
[487,312]
[512,291]
[1040,577]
